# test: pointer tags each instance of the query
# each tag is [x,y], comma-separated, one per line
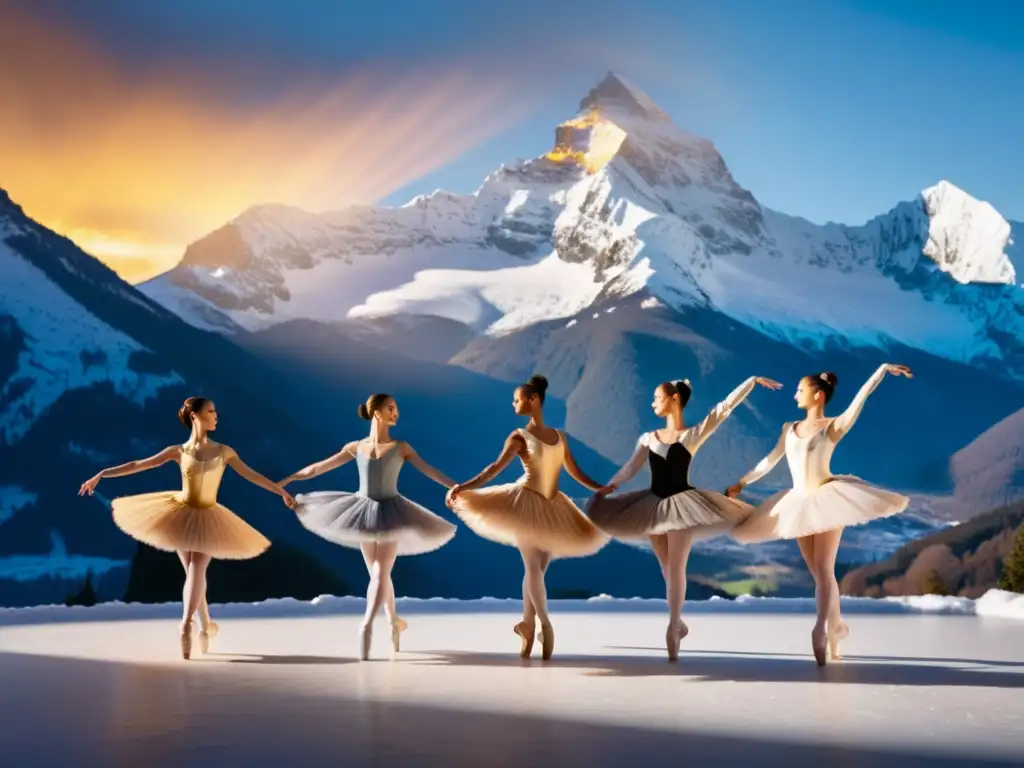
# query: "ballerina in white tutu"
[376,519]
[672,513]
[820,504]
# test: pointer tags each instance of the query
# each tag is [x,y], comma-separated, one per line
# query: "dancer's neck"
[379,432]
[199,437]
[674,422]
[815,413]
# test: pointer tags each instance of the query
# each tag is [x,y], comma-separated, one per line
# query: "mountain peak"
[615,91]
[967,237]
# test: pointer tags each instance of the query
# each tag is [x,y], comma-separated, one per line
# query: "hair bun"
[539,383]
[364,412]
[184,416]
[829,378]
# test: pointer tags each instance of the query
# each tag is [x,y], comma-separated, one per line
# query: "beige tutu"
[520,517]
[843,501]
[163,521]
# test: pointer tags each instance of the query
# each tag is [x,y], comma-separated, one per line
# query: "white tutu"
[843,501]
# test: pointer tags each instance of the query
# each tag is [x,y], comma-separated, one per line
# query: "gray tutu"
[350,519]
[640,514]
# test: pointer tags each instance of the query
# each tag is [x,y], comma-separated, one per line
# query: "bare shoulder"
[351,447]
[227,452]
[405,450]
[172,452]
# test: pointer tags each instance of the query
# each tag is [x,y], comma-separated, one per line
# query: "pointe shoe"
[673,637]
[525,631]
[819,643]
[365,639]
[206,635]
[398,626]
[834,638]
[185,638]
[547,641]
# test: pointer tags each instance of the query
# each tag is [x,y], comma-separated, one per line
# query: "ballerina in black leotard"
[672,512]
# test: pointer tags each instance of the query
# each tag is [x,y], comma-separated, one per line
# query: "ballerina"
[190,522]
[376,519]
[531,514]
[672,513]
[820,504]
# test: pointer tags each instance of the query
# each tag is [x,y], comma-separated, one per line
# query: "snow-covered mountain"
[643,206]
[629,254]
[92,373]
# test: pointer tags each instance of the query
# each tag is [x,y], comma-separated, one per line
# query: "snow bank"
[995,603]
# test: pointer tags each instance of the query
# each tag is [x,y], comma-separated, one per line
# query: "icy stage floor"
[915,689]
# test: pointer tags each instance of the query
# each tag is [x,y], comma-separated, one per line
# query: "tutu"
[350,520]
[842,501]
[640,514]
[521,517]
[164,521]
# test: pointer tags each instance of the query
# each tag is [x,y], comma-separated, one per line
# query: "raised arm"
[696,436]
[232,459]
[414,458]
[343,456]
[172,453]
[573,468]
[764,466]
[628,470]
[844,421]
[514,444]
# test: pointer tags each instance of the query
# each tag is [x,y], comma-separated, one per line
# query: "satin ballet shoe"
[547,641]
[206,634]
[673,637]
[365,639]
[398,626]
[834,638]
[185,638]
[819,645]
[525,631]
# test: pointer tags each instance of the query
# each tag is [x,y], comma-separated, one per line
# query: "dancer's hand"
[898,370]
[452,495]
[604,490]
[90,485]
[767,383]
[288,499]
[734,490]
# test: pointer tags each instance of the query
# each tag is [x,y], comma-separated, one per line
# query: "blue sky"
[828,109]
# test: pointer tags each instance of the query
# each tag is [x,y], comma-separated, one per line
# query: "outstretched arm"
[628,470]
[514,443]
[573,468]
[843,423]
[764,466]
[232,459]
[172,453]
[343,456]
[414,458]
[722,411]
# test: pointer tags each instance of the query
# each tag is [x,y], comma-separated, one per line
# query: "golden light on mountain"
[136,166]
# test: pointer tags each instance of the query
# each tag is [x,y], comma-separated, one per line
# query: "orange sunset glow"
[135,167]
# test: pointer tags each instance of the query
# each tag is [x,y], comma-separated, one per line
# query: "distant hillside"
[968,557]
